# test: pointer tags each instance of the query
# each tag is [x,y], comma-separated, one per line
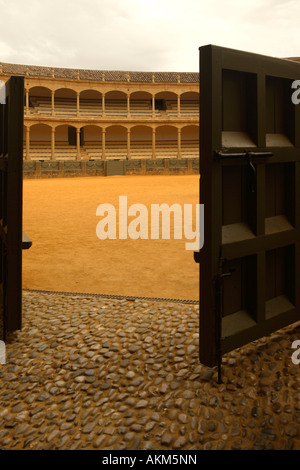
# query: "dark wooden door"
[250,188]
[11,165]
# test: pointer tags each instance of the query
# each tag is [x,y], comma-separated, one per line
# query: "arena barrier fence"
[64,168]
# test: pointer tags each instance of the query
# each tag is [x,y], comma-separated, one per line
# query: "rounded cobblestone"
[95,373]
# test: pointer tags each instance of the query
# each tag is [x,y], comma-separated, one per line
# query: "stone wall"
[52,169]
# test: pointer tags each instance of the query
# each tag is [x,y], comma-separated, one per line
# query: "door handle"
[219,154]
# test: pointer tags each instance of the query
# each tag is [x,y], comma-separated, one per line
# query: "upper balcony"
[65,103]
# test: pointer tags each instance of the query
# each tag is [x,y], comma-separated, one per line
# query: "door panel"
[11,165]
[250,178]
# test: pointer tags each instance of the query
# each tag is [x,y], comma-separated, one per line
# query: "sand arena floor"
[59,215]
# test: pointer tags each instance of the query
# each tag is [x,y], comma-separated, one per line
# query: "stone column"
[78,105]
[78,143]
[52,103]
[153,106]
[128,106]
[128,144]
[27,143]
[178,106]
[153,143]
[179,143]
[103,144]
[27,101]
[53,143]
[103,104]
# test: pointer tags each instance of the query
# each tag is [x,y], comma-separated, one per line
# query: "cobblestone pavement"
[96,373]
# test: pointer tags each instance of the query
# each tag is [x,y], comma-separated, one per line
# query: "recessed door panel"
[250,178]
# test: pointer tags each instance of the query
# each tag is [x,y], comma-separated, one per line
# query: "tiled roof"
[99,75]
[295,59]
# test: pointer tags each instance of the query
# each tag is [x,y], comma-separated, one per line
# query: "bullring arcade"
[86,115]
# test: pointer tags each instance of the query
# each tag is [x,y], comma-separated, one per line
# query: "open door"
[250,188]
[11,177]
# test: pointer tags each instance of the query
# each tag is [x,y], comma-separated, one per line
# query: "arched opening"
[166,142]
[141,104]
[190,141]
[40,142]
[166,103]
[25,156]
[116,104]
[141,142]
[66,142]
[90,103]
[189,104]
[116,142]
[92,142]
[39,101]
[65,102]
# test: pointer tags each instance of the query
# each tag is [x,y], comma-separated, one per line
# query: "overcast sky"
[143,35]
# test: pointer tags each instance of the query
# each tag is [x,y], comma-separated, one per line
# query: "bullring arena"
[108,354]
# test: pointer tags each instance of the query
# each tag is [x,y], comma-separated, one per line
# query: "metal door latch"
[220,155]
[253,172]
[248,156]
[218,284]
